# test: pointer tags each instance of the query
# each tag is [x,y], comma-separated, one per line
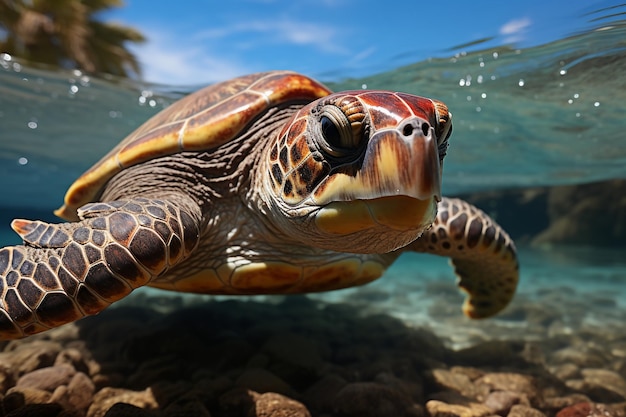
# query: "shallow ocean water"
[548,115]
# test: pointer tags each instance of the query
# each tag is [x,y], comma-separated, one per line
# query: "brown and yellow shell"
[203,120]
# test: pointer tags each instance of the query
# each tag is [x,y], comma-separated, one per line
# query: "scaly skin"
[482,254]
[70,270]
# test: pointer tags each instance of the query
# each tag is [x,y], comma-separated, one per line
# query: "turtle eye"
[338,138]
[331,133]
[443,128]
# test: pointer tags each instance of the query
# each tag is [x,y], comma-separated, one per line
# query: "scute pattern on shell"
[200,121]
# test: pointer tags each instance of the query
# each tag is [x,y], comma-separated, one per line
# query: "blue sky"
[200,41]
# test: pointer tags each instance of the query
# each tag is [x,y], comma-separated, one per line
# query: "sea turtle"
[267,183]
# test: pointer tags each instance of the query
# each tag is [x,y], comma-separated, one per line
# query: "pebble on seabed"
[256,359]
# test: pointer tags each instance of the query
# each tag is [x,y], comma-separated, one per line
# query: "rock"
[413,389]
[107,380]
[524,411]
[576,410]
[491,353]
[186,408]
[502,401]
[77,395]
[533,352]
[565,371]
[554,404]
[569,214]
[160,367]
[261,380]
[275,405]
[60,396]
[6,378]
[450,397]
[258,360]
[448,380]
[589,409]
[603,385]
[471,372]
[321,395]
[12,402]
[38,410]
[440,409]
[64,334]
[365,399]
[229,352]
[107,397]
[519,383]
[237,402]
[28,356]
[582,358]
[73,357]
[215,386]
[48,378]
[577,213]
[26,395]
[169,392]
[295,357]
[129,410]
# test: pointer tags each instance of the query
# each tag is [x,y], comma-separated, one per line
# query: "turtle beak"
[423,165]
[403,161]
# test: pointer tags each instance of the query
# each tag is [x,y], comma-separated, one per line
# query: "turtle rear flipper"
[66,271]
[482,254]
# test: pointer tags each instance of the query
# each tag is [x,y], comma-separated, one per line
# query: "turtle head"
[358,171]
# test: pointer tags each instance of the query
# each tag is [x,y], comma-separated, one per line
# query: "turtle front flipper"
[66,271]
[483,255]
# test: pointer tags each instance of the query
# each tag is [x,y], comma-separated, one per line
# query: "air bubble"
[520,82]
[32,124]
[22,160]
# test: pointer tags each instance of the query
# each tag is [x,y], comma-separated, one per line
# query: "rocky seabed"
[301,357]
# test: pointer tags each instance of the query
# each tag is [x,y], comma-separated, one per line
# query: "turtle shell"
[200,121]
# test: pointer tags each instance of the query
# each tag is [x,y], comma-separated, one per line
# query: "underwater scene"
[538,143]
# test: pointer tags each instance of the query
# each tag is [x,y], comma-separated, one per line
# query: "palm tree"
[66,33]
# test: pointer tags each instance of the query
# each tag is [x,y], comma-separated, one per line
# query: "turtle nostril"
[407,130]
[425,128]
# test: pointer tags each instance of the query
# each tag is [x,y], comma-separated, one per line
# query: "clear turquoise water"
[547,115]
